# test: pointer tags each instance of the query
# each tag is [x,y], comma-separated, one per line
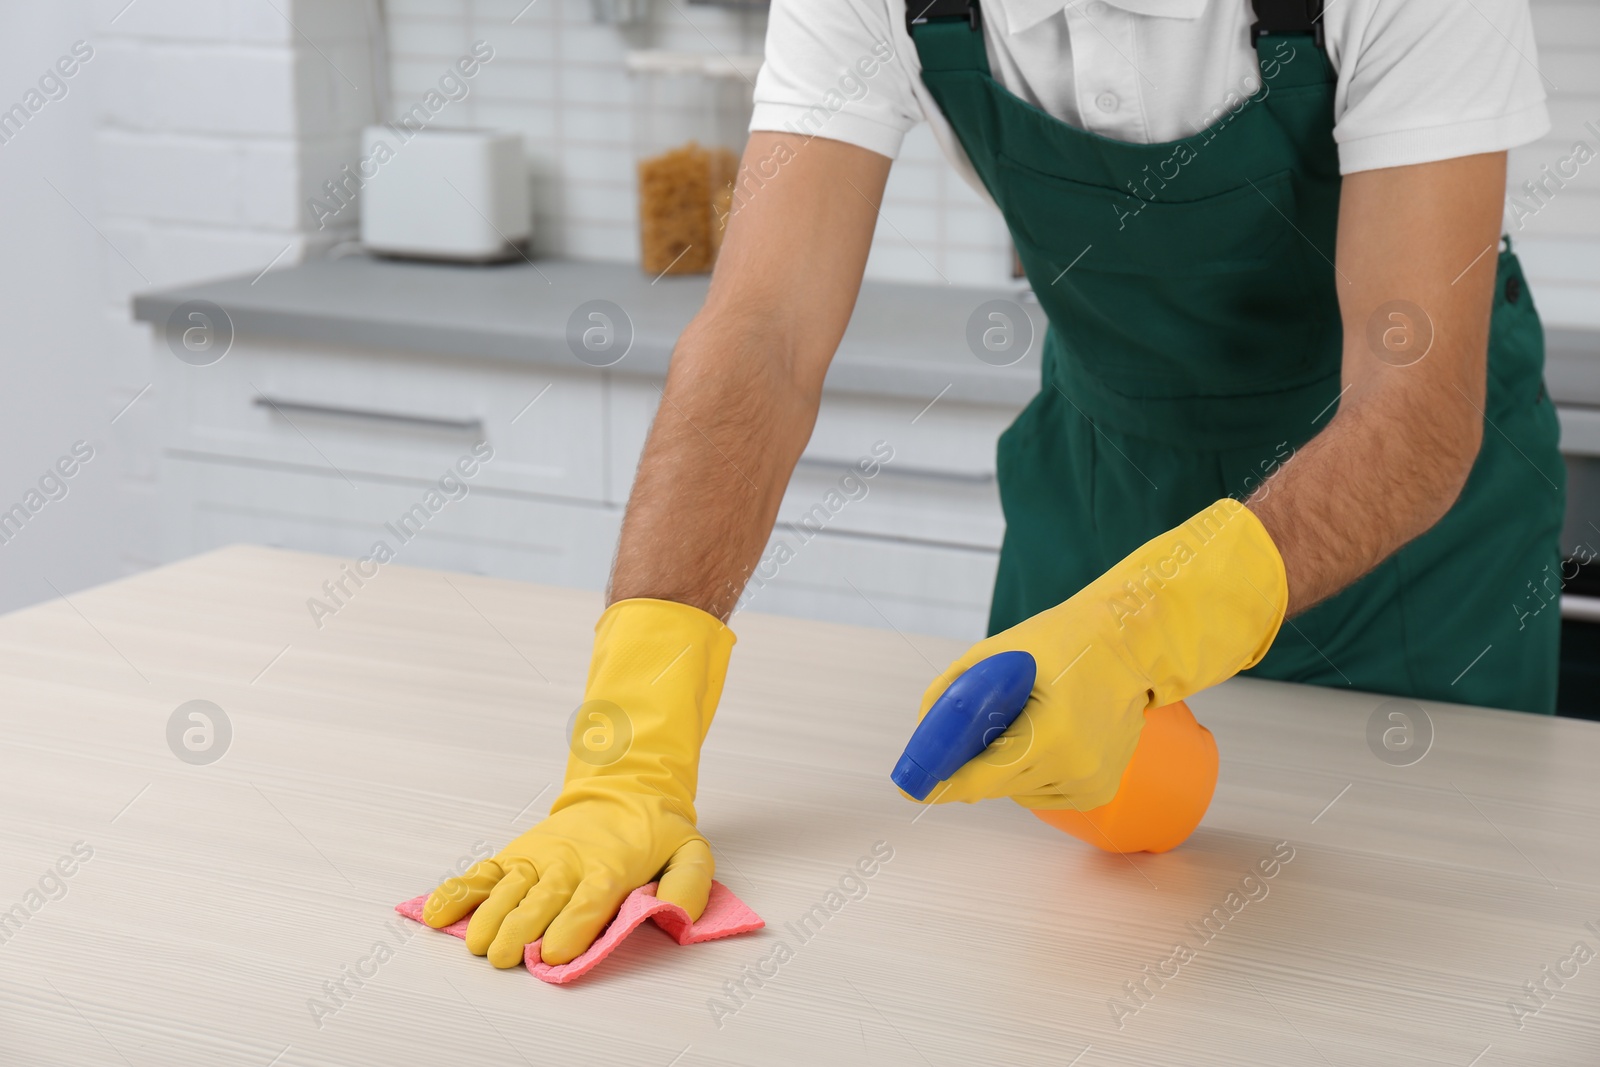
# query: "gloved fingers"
[687,880]
[935,797]
[592,907]
[1015,748]
[1086,798]
[455,897]
[1093,782]
[529,919]
[975,782]
[520,876]
[1001,769]
[1078,779]
[1045,802]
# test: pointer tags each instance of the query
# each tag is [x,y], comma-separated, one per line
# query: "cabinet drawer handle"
[1580,608]
[931,473]
[282,406]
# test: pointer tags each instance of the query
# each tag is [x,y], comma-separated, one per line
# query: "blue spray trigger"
[967,717]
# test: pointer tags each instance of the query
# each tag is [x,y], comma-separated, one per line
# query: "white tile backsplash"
[604,241]
[582,41]
[974,226]
[920,146]
[595,202]
[895,259]
[536,123]
[910,222]
[590,164]
[913,181]
[1560,244]
[582,122]
[594,83]
[163,86]
[192,20]
[558,78]
[431,39]
[516,12]
[513,81]
[456,9]
[525,43]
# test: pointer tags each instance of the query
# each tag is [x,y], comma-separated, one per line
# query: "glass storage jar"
[691,114]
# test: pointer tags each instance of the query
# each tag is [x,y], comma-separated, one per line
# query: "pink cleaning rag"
[725,915]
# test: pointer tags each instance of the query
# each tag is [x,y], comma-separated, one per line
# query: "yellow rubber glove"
[625,815]
[1184,611]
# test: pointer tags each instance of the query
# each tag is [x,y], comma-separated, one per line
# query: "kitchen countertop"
[904,340]
[211,907]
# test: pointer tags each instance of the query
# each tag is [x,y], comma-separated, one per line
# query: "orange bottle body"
[1164,792]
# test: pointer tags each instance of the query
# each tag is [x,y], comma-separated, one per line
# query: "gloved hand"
[625,815]
[1184,611]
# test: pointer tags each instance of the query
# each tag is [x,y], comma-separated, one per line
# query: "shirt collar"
[1022,15]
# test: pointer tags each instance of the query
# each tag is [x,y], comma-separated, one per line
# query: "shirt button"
[1107,101]
[1097,9]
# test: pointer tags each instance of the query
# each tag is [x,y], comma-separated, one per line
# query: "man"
[1266,243]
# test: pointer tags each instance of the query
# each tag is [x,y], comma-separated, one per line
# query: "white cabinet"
[334,448]
[485,531]
[894,583]
[914,547]
[357,412]
[936,486]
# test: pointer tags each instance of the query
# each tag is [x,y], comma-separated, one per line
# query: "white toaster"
[444,194]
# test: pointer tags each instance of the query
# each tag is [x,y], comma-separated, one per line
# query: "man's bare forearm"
[1376,478]
[723,445]
[1416,255]
[742,394]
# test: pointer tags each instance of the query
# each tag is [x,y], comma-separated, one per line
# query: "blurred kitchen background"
[202,158]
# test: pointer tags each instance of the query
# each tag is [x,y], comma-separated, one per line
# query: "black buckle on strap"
[1275,18]
[920,11]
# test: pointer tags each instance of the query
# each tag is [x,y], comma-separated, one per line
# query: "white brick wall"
[1560,245]
[217,122]
[222,120]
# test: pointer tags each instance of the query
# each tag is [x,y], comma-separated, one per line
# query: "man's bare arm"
[745,382]
[1394,458]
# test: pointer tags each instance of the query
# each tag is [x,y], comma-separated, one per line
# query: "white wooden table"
[221,900]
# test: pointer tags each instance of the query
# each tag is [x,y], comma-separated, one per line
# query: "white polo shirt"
[1418,80]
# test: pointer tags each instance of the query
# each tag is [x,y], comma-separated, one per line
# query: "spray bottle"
[1164,791]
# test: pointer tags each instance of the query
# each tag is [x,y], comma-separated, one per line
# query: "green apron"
[1195,343]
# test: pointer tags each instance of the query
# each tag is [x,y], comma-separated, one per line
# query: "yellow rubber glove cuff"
[625,815]
[1184,611]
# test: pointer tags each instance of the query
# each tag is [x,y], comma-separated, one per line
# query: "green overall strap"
[948,37]
[948,34]
[1281,29]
